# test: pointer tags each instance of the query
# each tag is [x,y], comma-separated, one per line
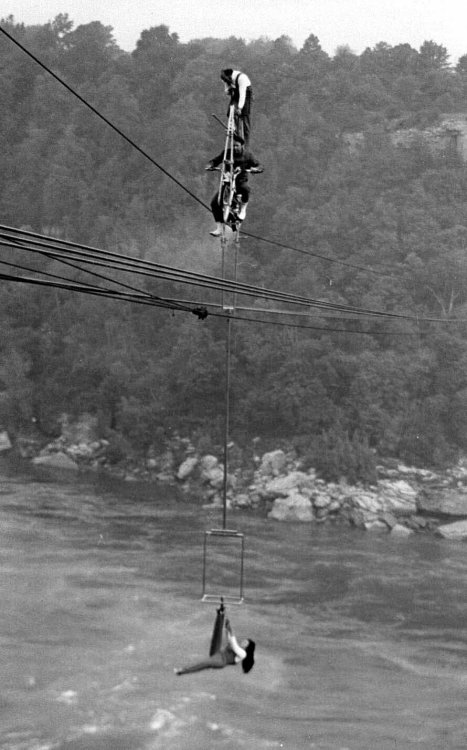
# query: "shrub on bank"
[335,455]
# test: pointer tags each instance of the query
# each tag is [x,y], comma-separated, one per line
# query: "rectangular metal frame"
[228,599]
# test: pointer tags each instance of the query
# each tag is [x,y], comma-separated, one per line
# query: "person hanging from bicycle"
[244,162]
[238,87]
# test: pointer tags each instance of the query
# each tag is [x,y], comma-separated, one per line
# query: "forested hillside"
[375,226]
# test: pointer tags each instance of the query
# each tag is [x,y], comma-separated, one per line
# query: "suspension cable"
[170,274]
[98,257]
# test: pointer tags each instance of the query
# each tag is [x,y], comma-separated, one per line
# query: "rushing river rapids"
[361,638]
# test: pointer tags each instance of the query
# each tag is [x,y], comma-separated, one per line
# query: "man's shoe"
[215,233]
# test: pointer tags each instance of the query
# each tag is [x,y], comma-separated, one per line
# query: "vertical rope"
[227,416]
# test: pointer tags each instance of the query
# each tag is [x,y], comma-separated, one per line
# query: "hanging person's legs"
[218,629]
[214,662]
[216,658]
[217,661]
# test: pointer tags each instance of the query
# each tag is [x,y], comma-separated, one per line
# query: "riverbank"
[275,484]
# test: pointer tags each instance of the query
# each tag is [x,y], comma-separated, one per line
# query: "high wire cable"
[170,303]
[185,305]
[320,315]
[189,305]
[149,268]
[73,286]
[83,253]
[168,273]
[312,254]
[165,171]
[144,299]
[153,270]
[289,313]
[325,329]
[86,270]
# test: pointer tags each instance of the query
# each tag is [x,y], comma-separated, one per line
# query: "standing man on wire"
[238,87]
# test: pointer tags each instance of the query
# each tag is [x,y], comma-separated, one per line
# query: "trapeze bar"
[226,582]
[227,599]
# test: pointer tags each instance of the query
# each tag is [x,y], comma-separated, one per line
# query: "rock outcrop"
[5,442]
[455,531]
[294,507]
[56,461]
[444,502]
[404,500]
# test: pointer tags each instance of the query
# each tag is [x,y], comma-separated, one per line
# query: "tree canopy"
[382,223]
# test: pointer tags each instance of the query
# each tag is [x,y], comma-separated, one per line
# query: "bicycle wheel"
[227,198]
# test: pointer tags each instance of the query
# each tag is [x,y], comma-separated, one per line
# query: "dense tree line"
[400,211]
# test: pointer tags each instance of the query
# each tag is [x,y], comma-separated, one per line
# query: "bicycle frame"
[229,196]
[227,182]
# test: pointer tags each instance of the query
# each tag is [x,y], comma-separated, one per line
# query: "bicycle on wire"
[230,198]
[227,184]
[234,163]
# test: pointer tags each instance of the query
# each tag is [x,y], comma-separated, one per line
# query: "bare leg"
[216,661]
[216,657]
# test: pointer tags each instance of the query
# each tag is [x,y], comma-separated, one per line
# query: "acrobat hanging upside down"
[222,656]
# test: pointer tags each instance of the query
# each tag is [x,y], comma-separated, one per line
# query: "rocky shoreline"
[403,501]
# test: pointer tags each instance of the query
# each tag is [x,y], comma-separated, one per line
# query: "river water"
[361,638]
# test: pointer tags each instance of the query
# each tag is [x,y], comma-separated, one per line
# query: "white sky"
[358,23]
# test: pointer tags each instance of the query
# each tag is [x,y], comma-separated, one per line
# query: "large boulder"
[401,531]
[295,507]
[374,524]
[365,500]
[242,500]
[389,520]
[56,461]
[459,471]
[5,442]
[208,462]
[323,500]
[397,497]
[283,486]
[423,475]
[212,472]
[456,531]
[445,502]
[273,463]
[186,468]
[214,477]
